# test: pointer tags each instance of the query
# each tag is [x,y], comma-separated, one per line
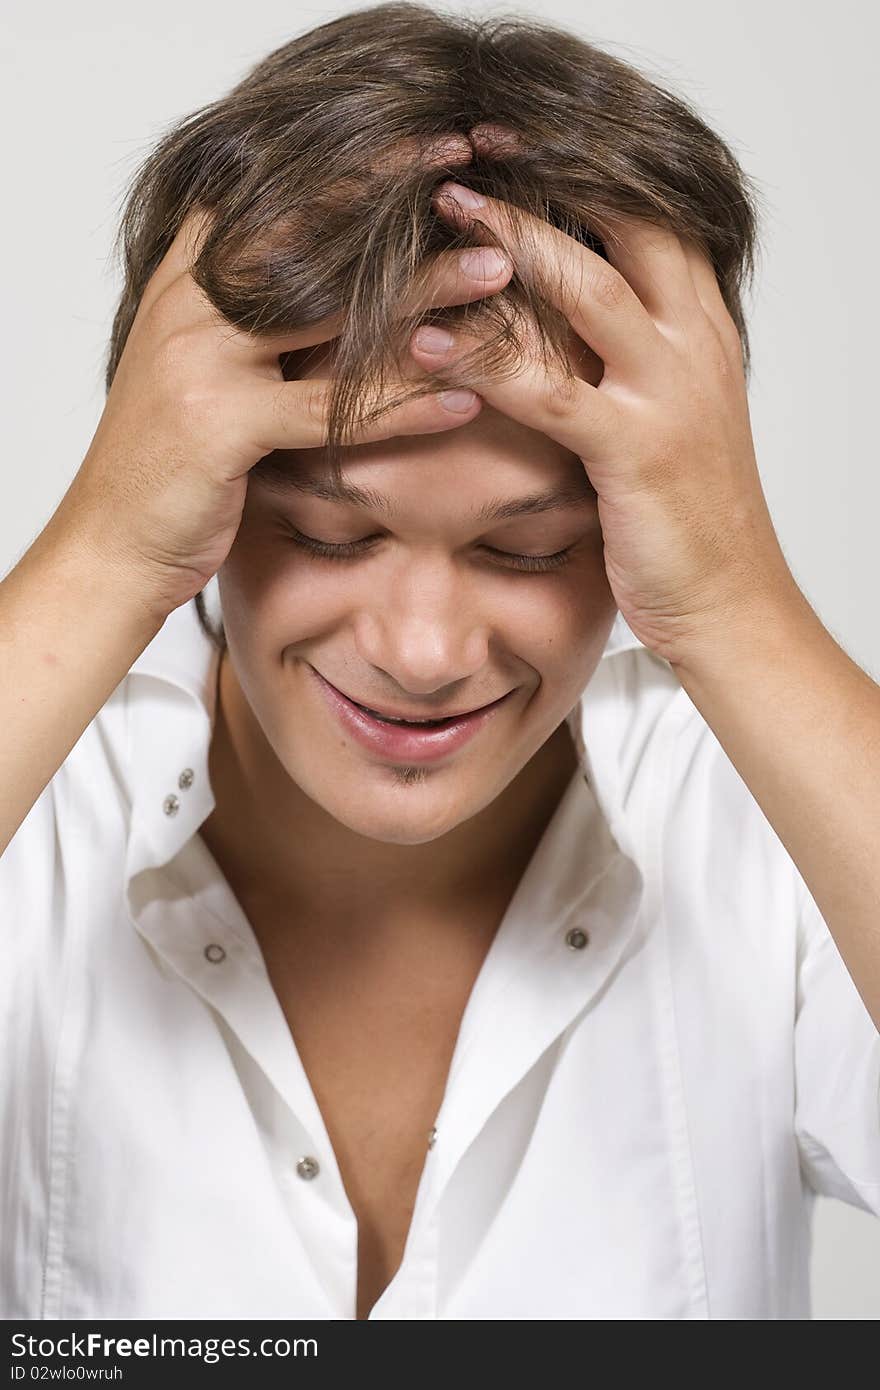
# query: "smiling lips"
[399,738]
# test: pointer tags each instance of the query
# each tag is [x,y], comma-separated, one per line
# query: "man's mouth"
[413,722]
[406,737]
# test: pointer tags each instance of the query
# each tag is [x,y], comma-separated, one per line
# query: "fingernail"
[457,401]
[431,339]
[466,197]
[485,263]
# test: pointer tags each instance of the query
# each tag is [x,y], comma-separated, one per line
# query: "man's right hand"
[194,405]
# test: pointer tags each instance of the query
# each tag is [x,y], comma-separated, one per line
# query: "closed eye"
[532,564]
[330,550]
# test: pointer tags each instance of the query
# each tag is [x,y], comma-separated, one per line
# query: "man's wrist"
[100,589]
[749,635]
[90,542]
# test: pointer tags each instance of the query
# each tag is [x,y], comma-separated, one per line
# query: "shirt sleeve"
[837,1071]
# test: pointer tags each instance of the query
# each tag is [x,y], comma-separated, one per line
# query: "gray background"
[88,89]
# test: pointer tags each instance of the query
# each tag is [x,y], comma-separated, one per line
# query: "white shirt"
[662,1059]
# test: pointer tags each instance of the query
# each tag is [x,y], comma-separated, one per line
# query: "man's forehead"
[384,491]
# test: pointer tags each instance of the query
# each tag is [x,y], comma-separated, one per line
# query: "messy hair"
[311,218]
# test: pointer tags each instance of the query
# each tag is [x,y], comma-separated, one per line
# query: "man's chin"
[398,815]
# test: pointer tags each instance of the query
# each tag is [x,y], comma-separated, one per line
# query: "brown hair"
[311,217]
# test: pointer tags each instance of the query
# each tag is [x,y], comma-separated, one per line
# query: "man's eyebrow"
[328,490]
[569,495]
[500,509]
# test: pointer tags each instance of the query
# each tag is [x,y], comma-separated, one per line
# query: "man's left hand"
[665,437]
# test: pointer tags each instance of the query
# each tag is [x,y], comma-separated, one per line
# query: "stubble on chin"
[405,775]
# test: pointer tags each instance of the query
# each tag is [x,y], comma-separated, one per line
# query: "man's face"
[437,607]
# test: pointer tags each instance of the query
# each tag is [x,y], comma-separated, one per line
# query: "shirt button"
[171,805]
[577,939]
[215,952]
[308,1167]
[186,778]
[432,1137]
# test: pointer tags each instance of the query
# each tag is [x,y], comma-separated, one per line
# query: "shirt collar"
[171,693]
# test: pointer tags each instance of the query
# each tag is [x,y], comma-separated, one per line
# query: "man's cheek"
[265,579]
[569,607]
[576,631]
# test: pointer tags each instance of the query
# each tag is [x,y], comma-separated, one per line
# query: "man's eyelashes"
[353,550]
[329,550]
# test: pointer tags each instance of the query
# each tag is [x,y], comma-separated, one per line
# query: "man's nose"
[423,628]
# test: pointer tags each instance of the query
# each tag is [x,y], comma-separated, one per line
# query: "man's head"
[442,600]
[312,167]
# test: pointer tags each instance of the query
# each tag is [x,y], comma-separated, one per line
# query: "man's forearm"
[800,721]
[70,628]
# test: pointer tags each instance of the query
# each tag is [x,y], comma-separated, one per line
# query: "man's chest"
[375,1023]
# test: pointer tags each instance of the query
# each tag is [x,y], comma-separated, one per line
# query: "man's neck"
[277,846]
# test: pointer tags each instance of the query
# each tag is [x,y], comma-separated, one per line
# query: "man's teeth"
[386,719]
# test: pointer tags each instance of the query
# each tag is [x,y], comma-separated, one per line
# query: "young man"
[533,1019]
[563,1008]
